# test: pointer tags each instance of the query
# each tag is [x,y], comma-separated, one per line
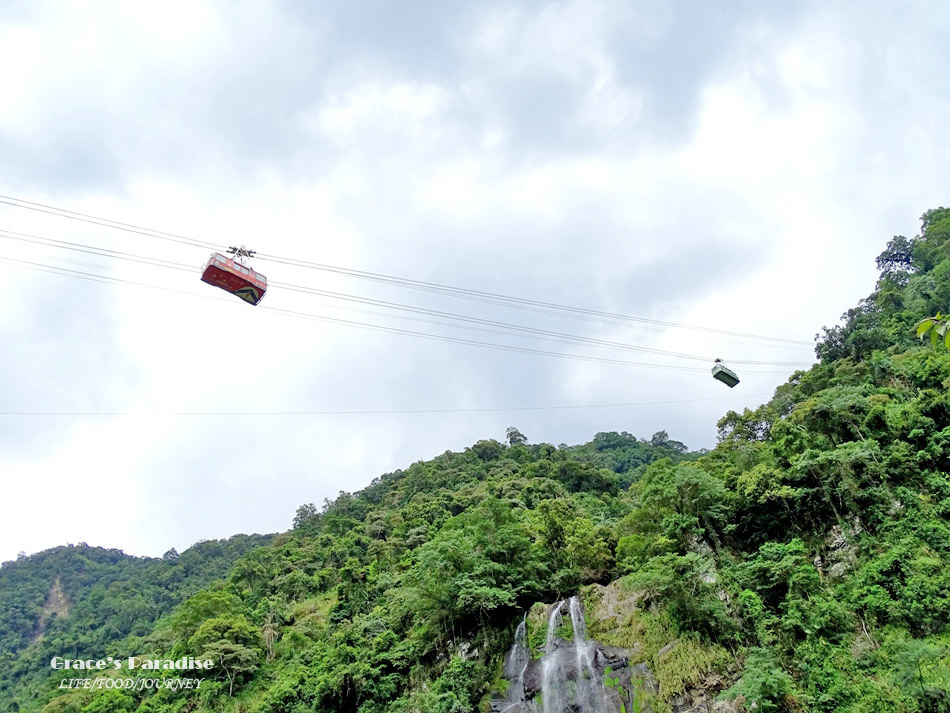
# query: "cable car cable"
[499,298]
[464,293]
[390,305]
[104,222]
[92,249]
[393,330]
[188,268]
[373,412]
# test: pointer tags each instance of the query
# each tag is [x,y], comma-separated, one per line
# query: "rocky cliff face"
[572,672]
[56,604]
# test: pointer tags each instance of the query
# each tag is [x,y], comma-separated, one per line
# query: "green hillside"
[79,601]
[801,565]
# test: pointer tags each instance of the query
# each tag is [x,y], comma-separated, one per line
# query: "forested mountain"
[801,565]
[79,601]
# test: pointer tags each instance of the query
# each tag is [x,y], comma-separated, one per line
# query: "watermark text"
[132,684]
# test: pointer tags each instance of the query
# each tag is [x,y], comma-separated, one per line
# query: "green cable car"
[726,376]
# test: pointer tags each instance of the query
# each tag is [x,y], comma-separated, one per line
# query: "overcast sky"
[733,166]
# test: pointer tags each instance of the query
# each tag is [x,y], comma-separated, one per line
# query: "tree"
[230,643]
[515,437]
[488,450]
[307,518]
[764,683]
[898,257]
[918,672]
[195,613]
[235,660]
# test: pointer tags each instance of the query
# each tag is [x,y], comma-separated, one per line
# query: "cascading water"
[570,681]
[567,678]
[552,678]
[515,667]
[590,689]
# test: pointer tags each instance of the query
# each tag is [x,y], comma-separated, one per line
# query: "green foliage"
[898,257]
[679,504]
[369,594]
[90,602]
[515,437]
[684,584]
[922,672]
[110,701]
[765,684]
[907,584]
[937,326]
[687,663]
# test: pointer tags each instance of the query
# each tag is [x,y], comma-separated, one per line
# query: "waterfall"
[568,676]
[570,681]
[590,689]
[552,679]
[515,666]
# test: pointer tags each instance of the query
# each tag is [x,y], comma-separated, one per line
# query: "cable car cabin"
[726,376]
[235,278]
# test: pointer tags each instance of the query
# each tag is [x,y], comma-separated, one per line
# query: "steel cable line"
[519,302]
[561,336]
[190,269]
[375,327]
[91,249]
[105,222]
[106,279]
[460,292]
[522,328]
[608,318]
[373,412]
[362,325]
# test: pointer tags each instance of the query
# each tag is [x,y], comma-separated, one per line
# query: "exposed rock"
[713,707]
[699,699]
[466,651]
[500,705]
[702,548]
[617,657]
[612,604]
[841,552]
[56,604]
[532,677]
[641,672]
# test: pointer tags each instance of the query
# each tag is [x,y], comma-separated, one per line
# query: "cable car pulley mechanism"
[241,253]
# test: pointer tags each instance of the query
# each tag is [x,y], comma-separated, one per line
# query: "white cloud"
[732,167]
[399,112]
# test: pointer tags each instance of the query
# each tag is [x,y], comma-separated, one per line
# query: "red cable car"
[233,277]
